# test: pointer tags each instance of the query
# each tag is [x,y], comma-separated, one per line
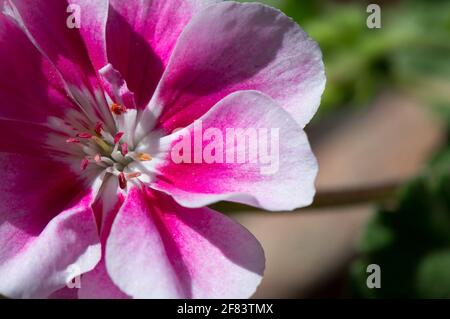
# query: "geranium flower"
[88,118]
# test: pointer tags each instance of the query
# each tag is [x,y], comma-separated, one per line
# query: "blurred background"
[382,141]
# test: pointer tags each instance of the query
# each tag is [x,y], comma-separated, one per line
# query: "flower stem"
[330,198]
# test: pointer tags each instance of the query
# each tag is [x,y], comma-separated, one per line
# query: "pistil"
[103,145]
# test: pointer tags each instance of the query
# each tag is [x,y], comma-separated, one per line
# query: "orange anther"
[144,157]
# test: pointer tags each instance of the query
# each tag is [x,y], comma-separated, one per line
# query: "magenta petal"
[23,138]
[284,180]
[65,293]
[231,47]
[94,15]
[30,88]
[97,284]
[47,229]
[116,87]
[158,249]
[141,36]
[46,23]
[46,226]
[28,189]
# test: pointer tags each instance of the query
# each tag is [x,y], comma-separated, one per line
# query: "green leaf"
[411,241]
[433,275]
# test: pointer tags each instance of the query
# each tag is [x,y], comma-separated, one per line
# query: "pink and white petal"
[116,87]
[107,204]
[278,176]
[39,147]
[234,46]
[65,293]
[45,238]
[141,36]
[45,23]
[30,87]
[29,185]
[158,249]
[43,264]
[97,284]
[93,18]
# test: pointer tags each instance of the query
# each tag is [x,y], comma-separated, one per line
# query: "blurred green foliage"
[411,241]
[410,51]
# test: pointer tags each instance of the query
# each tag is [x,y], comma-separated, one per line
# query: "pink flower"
[86,119]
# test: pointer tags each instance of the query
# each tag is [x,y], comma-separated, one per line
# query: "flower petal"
[30,88]
[116,87]
[231,47]
[65,293]
[93,18]
[158,249]
[46,24]
[278,176]
[17,137]
[97,284]
[141,36]
[45,239]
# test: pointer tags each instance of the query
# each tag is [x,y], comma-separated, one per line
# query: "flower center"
[111,152]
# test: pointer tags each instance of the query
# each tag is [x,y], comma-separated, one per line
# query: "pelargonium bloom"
[88,117]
